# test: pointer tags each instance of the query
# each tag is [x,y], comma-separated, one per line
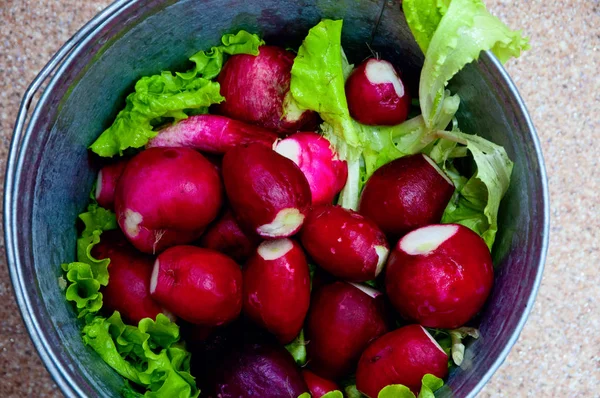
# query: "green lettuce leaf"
[476,201]
[298,349]
[171,96]
[148,354]
[429,384]
[395,391]
[423,18]
[463,32]
[333,394]
[86,275]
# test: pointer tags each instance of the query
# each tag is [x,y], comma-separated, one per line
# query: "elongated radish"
[167,196]
[129,288]
[439,275]
[201,286]
[226,236]
[268,193]
[403,356]
[341,322]
[277,288]
[256,90]
[325,172]
[106,183]
[405,194]
[376,94]
[212,134]
[317,385]
[344,243]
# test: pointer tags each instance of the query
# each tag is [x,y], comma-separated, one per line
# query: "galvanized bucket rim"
[67,54]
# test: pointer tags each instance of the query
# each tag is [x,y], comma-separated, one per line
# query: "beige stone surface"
[558,354]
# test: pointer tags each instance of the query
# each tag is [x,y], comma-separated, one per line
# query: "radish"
[106,183]
[277,288]
[405,194]
[257,91]
[166,197]
[199,285]
[325,172]
[212,134]
[439,275]
[403,356]
[264,370]
[226,236]
[128,290]
[268,192]
[376,94]
[344,243]
[317,385]
[342,320]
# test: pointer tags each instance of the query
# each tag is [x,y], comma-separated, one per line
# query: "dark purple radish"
[403,356]
[325,172]
[376,94]
[344,243]
[256,90]
[106,183]
[226,236]
[167,197]
[277,288]
[212,134]
[264,370]
[317,385]
[201,286]
[439,275]
[128,290]
[343,319]
[268,193]
[405,194]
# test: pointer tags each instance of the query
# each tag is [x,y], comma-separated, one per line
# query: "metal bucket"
[49,175]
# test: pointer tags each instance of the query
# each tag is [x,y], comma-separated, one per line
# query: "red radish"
[199,285]
[317,385]
[325,172]
[344,243]
[405,194]
[256,90]
[439,275]
[268,192]
[403,356]
[261,370]
[106,183]
[277,288]
[166,197]
[212,134]
[128,290]
[226,236]
[376,94]
[342,320]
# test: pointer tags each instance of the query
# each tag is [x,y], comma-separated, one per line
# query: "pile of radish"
[228,225]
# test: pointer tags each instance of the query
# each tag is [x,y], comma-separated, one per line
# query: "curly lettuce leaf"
[298,349]
[463,32]
[171,95]
[87,275]
[148,354]
[477,200]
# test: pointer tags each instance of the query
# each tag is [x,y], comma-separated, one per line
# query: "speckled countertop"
[558,353]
